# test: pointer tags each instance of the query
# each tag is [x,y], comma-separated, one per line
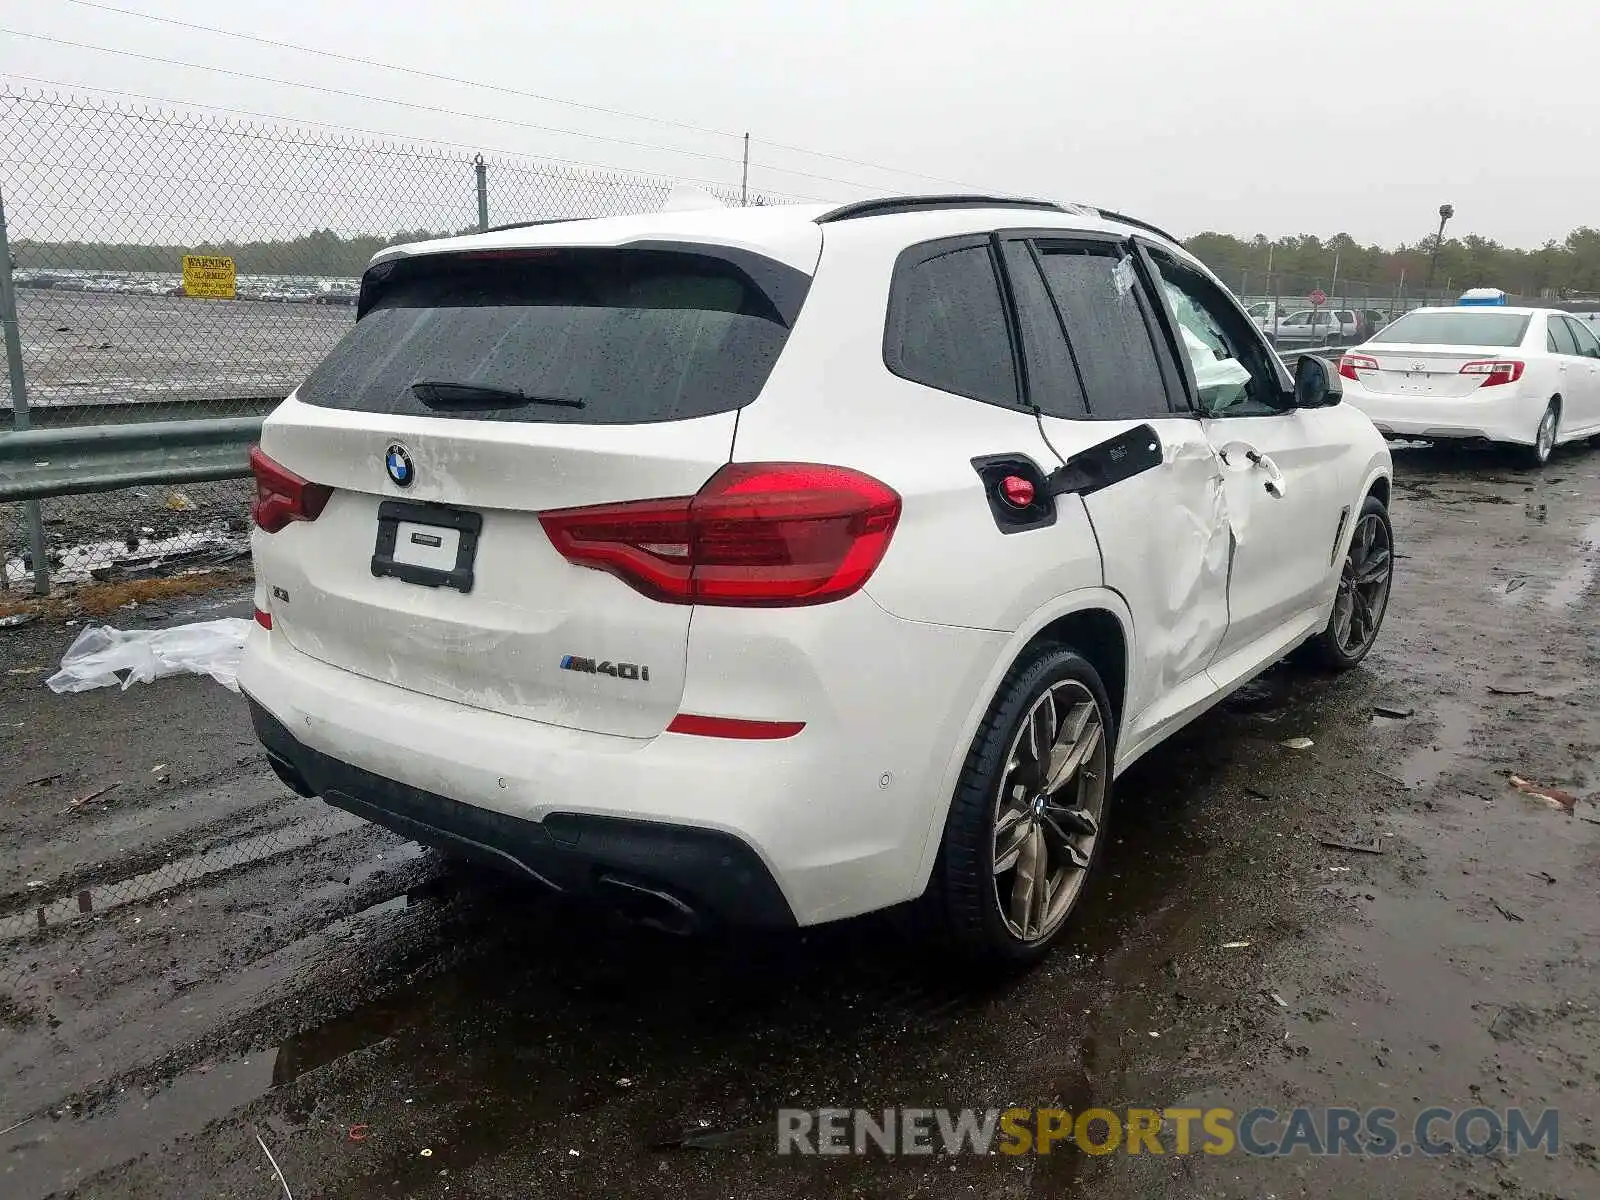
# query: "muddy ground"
[196,959]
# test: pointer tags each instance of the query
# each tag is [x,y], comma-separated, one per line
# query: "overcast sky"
[1297,116]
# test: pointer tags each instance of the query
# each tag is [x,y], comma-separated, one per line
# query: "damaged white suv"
[774,565]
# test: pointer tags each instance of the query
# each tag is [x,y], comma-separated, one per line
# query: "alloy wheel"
[1545,439]
[1049,810]
[1363,586]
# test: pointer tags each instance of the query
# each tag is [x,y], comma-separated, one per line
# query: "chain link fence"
[104,200]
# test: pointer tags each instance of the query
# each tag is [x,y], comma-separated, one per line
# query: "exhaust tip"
[650,906]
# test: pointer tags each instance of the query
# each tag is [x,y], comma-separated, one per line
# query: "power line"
[505,90]
[417,71]
[375,133]
[433,108]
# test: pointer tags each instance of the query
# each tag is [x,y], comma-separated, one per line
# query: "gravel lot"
[194,959]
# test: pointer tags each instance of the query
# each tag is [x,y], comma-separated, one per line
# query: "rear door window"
[1053,381]
[947,322]
[1560,339]
[1588,347]
[1101,300]
[576,336]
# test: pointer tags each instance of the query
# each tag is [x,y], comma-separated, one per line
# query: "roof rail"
[531,224]
[1108,215]
[889,205]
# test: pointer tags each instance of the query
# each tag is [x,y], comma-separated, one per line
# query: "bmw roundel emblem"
[397,461]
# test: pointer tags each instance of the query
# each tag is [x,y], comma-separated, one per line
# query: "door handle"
[1258,461]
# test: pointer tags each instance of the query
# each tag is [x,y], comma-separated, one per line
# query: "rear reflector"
[734,727]
[756,535]
[282,496]
[1495,371]
[1349,364]
[263,619]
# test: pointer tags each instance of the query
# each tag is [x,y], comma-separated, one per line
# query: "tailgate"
[470,399]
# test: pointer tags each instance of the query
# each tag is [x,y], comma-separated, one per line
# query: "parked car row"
[1316,326]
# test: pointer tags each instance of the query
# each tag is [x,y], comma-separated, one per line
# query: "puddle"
[180,872]
[52,1153]
[57,1148]
[1575,582]
[1453,728]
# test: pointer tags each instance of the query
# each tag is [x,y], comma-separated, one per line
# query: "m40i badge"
[617,670]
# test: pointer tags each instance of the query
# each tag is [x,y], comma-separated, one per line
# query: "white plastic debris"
[1124,276]
[204,648]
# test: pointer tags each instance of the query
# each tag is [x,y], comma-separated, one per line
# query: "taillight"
[263,618]
[1349,364]
[1495,371]
[282,496]
[757,535]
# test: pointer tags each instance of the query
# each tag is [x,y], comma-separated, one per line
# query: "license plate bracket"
[468,526]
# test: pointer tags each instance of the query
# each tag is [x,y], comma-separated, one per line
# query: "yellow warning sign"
[209,276]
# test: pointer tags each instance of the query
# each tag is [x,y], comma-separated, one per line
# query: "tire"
[982,912]
[1335,649]
[1544,437]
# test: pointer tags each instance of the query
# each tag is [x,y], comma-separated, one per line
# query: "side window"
[947,325]
[1233,370]
[1097,291]
[1053,382]
[1560,339]
[1588,344]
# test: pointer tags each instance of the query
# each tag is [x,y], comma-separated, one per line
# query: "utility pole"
[1446,211]
[744,178]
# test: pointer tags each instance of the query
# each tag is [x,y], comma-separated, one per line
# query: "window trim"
[1169,373]
[1147,250]
[914,256]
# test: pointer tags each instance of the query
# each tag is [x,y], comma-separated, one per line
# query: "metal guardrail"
[60,416]
[38,463]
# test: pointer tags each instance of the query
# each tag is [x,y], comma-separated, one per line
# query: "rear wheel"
[1544,440]
[1024,828]
[1363,595]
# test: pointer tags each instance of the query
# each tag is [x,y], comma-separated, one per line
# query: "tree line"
[1569,269]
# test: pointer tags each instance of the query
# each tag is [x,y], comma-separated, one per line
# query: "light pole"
[1446,211]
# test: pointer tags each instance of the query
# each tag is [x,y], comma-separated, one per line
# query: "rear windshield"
[598,337]
[1463,328]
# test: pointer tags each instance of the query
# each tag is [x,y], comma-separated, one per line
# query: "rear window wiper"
[478,395]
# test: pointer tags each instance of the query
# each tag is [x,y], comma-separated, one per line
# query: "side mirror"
[1316,383]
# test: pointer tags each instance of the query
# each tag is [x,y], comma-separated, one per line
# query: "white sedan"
[1521,376]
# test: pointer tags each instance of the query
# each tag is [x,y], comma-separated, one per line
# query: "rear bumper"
[1512,419]
[836,818]
[713,876]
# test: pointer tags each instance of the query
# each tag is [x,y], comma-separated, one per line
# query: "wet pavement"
[197,969]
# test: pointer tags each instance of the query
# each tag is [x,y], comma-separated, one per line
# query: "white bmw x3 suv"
[776,565]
